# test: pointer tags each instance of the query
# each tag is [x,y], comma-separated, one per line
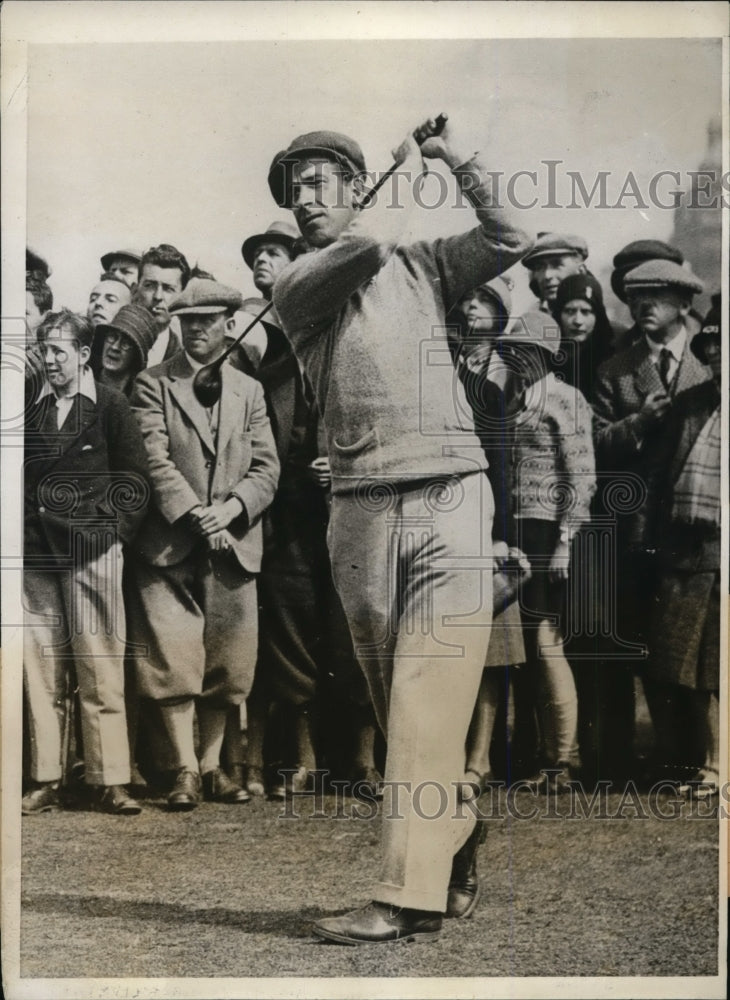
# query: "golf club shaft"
[367,200]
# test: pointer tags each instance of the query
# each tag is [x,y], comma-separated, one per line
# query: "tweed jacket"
[623,448]
[189,468]
[366,318]
[91,475]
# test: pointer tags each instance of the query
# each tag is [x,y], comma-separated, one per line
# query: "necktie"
[665,359]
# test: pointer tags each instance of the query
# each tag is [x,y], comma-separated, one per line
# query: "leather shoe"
[464,888]
[380,923]
[218,787]
[115,799]
[254,780]
[185,794]
[43,798]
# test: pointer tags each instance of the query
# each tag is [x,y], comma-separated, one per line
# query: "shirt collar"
[86,387]
[195,365]
[675,346]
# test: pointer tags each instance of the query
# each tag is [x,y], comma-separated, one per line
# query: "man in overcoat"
[213,471]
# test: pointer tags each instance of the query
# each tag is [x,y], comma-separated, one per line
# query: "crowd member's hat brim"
[278,232]
[536,329]
[655,274]
[135,322]
[555,244]
[203,296]
[637,253]
[711,330]
[34,262]
[312,145]
[108,259]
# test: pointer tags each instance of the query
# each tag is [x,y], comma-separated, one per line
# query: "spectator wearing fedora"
[357,310]
[554,257]
[684,487]
[163,274]
[633,399]
[633,254]
[553,483]
[213,472]
[303,635]
[85,494]
[123,264]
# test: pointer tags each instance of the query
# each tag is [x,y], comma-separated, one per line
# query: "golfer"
[410,528]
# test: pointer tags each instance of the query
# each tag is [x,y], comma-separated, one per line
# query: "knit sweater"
[366,317]
[553,460]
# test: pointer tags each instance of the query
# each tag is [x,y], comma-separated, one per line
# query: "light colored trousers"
[76,619]
[413,568]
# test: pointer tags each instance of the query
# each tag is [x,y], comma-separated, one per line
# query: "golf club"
[207,382]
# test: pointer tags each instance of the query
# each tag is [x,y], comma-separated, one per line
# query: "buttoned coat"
[189,468]
[90,474]
[623,447]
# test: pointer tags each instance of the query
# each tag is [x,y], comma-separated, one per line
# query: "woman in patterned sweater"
[553,481]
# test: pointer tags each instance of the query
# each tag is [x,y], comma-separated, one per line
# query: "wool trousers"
[76,620]
[414,572]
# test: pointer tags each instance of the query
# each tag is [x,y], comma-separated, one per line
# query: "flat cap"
[202,295]
[662,274]
[549,244]
[278,232]
[109,258]
[34,262]
[536,328]
[636,253]
[325,145]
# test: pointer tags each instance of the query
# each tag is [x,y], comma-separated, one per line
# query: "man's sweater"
[366,317]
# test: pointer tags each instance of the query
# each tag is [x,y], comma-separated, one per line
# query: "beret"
[662,274]
[537,328]
[548,244]
[327,145]
[636,253]
[113,255]
[278,232]
[202,295]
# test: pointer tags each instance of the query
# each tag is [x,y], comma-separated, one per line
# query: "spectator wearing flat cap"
[123,264]
[358,309]
[628,258]
[553,257]
[684,484]
[633,398]
[303,635]
[163,274]
[213,471]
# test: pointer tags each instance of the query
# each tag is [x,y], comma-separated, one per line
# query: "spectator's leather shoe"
[185,794]
[464,887]
[115,799]
[218,787]
[43,798]
[380,923]
[254,780]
